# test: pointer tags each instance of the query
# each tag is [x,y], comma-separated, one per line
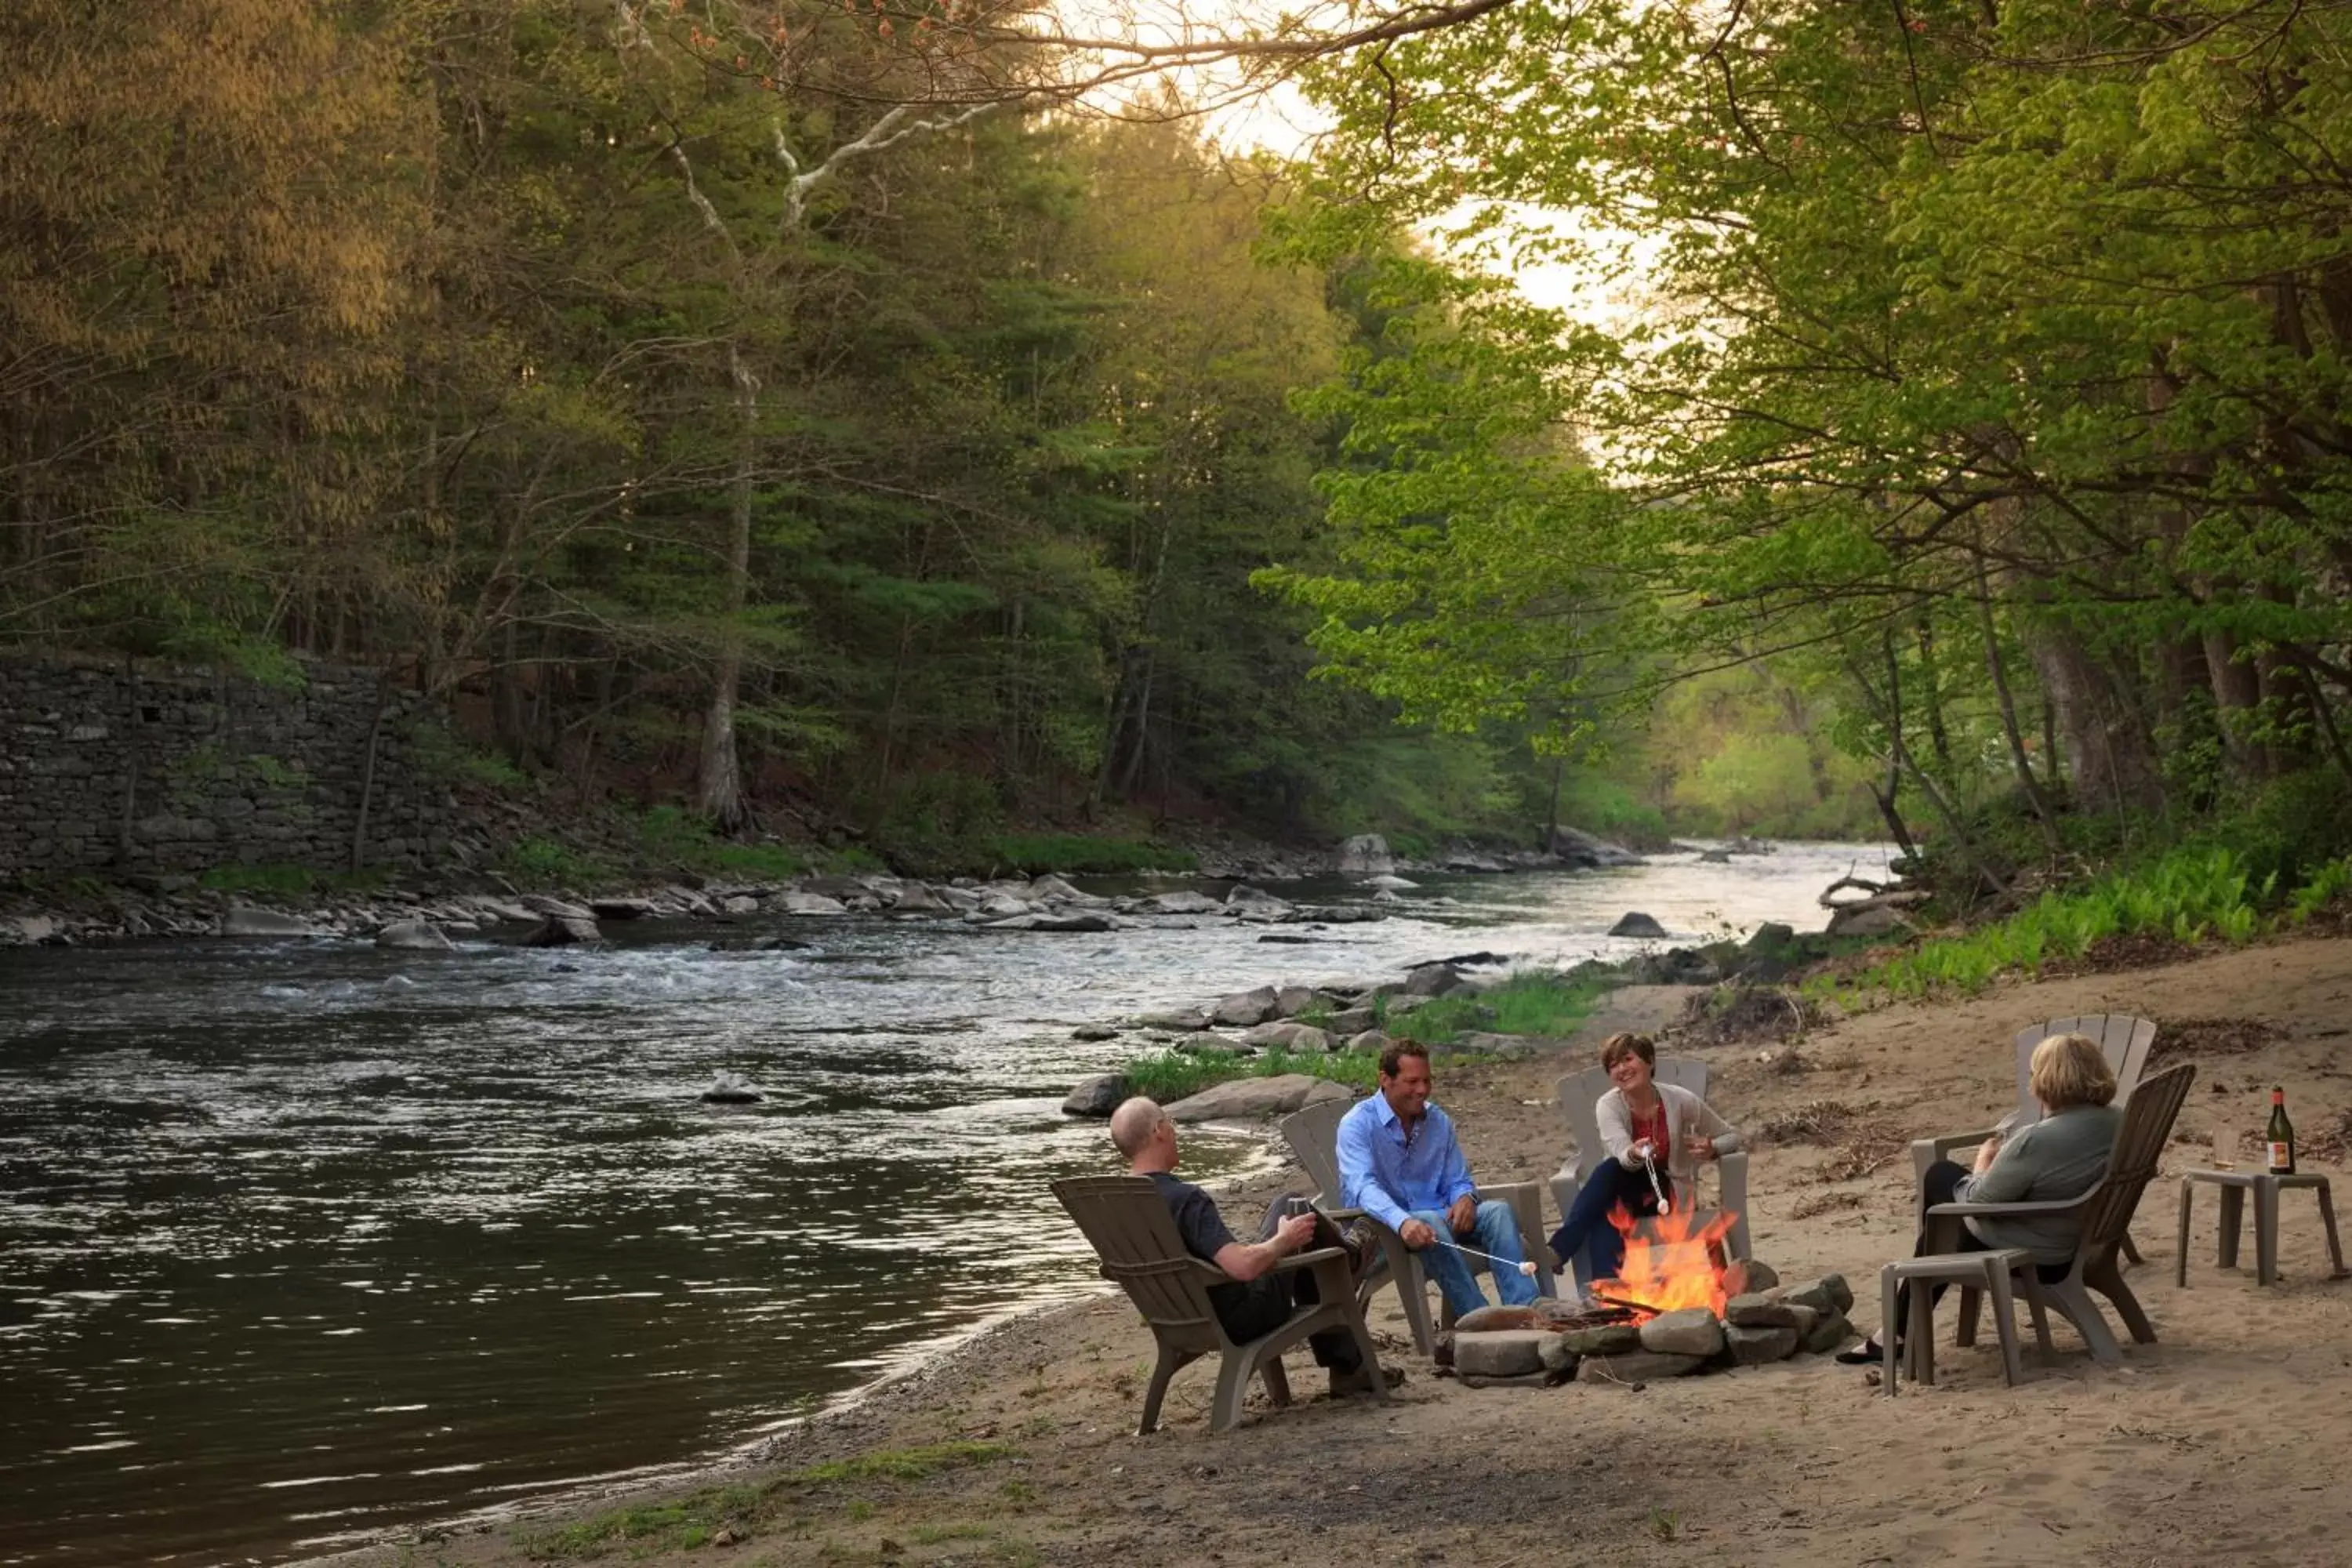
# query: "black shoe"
[1871,1351]
[1360,1381]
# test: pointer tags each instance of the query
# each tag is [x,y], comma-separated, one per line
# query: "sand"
[2220,1443]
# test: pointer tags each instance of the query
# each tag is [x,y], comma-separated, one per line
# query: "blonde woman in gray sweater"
[1645,1125]
[2062,1157]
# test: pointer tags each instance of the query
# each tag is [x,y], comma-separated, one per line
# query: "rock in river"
[1097,1096]
[413,936]
[1635,923]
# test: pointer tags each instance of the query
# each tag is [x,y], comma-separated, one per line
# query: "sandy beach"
[2220,1443]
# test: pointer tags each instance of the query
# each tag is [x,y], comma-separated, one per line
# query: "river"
[303,1241]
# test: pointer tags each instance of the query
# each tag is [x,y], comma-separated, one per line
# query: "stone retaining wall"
[129,768]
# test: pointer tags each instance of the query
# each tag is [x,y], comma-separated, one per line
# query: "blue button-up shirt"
[1389,1174]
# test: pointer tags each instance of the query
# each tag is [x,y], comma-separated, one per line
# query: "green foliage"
[539,861]
[2189,895]
[443,757]
[273,881]
[668,837]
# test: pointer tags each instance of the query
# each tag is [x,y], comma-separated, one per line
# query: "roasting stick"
[1527,1268]
[1651,1165]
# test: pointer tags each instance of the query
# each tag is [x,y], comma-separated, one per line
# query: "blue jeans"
[1497,1232]
[1590,1231]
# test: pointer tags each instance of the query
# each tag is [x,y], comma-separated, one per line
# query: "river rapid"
[303,1241]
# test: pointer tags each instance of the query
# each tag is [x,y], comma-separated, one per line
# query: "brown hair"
[1618,1047]
[1392,1056]
[2068,1070]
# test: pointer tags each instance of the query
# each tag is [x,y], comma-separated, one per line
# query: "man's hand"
[1415,1234]
[1986,1153]
[1462,1218]
[1294,1232]
[1703,1148]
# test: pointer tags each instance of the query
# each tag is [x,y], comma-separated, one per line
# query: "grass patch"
[688,1522]
[683,1524]
[2189,895]
[1036,854]
[1534,1003]
[899,1464]
[1174,1074]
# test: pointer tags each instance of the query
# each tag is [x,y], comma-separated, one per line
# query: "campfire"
[1677,1306]
[1673,1261]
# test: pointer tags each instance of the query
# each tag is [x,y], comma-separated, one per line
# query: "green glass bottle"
[2280,1136]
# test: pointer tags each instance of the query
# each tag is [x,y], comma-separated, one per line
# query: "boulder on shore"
[1289,1035]
[1182,902]
[244,919]
[799,903]
[1243,1008]
[1367,854]
[1184,1020]
[1248,1096]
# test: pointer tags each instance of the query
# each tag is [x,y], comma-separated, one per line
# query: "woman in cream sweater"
[1644,1126]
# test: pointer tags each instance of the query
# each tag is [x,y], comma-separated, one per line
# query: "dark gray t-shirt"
[1203,1230]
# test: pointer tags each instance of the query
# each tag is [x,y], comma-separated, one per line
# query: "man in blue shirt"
[1400,1163]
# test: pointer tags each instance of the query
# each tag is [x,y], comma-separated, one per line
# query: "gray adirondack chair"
[2106,1210]
[2123,1039]
[1313,1135]
[1128,1222]
[1580,1098]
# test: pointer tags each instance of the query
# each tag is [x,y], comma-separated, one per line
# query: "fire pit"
[1676,1307]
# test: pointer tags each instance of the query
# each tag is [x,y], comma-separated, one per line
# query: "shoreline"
[106,907]
[1017,1445]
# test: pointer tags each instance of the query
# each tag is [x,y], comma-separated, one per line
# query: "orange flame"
[1673,1261]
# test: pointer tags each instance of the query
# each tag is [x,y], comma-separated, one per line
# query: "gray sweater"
[2059,1157]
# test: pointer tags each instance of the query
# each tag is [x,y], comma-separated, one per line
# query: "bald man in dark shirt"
[1258,1301]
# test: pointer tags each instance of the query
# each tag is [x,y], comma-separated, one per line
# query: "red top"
[1653,1127]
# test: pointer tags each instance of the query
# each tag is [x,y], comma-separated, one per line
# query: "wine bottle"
[2280,1136]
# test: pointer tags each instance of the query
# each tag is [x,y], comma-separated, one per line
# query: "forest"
[910,412]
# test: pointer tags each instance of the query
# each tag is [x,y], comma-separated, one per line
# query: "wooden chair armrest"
[2014,1211]
[1306,1260]
[1942,1144]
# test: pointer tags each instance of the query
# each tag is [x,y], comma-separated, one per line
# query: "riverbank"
[1019,1447]
[683,874]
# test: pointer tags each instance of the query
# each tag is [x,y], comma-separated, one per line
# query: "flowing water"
[299,1241]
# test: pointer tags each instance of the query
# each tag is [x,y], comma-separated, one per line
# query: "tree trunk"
[719,775]
[2017,759]
[2114,764]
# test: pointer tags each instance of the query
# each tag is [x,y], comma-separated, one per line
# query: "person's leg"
[1590,1230]
[1497,1234]
[1448,1268]
[1939,1185]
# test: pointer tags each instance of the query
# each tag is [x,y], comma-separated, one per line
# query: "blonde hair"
[2068,1070]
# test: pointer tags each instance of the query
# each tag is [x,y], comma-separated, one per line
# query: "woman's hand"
[1702,1148]
[1985,1153]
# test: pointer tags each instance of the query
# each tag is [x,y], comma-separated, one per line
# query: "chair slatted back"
[2148,1116]
[2123,1039]
[1126,1221]
[1313,1135]
[1579,1097]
